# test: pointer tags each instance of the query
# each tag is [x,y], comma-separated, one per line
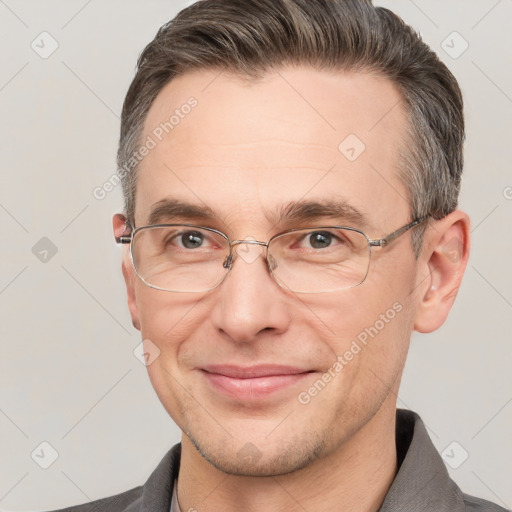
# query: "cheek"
[167,319]
[371,353]
[370,324]
[170,322]
[372,334]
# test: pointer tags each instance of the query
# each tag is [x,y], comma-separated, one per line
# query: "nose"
[249,301]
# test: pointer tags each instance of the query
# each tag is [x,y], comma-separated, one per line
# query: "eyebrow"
[173,208]
[291,213]
[307,211]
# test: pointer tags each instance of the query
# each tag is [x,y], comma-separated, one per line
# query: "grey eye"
[192,239]
[320,239]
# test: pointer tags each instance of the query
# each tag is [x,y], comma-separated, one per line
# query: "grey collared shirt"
[422,483]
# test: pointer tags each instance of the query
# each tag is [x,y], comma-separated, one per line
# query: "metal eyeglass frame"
[228,262]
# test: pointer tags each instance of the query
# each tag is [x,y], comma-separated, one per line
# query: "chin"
[258,459]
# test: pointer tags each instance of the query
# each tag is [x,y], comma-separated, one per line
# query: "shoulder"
[422,481]
[128,501]
[474,504]
[154,495]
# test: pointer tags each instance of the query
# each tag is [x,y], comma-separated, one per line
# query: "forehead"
[295,134]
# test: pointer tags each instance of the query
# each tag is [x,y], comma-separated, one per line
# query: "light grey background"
[68,373]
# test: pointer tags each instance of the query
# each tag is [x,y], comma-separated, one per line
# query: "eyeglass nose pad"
[229,260]
[272,263]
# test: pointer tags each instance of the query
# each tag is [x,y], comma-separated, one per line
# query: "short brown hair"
[251,37]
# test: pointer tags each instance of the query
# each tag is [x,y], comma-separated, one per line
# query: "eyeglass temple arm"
[382,242]
[125,238]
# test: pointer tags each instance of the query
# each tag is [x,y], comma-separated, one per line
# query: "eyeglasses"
[189,258]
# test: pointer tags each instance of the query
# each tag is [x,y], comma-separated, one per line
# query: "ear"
[120,227]
[441,267]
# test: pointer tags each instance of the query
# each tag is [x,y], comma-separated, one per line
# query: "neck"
[355,477]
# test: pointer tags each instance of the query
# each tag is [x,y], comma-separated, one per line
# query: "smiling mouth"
[253,383]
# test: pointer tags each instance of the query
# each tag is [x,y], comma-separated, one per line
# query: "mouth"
[254,382]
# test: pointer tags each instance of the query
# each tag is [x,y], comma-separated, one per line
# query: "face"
[260,379]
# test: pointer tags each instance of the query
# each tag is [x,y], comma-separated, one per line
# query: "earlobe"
[444,257]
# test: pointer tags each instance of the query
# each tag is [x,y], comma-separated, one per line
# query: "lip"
[253,382]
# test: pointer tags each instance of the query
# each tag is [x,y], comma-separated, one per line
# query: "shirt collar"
[422,483]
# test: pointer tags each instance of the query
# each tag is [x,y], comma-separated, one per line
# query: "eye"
[184,240]
[323,240]
[320,242]
[320,239]
[191,239]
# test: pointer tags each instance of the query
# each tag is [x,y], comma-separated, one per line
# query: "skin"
[247,149]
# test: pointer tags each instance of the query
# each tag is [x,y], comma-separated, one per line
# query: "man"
[291,172]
